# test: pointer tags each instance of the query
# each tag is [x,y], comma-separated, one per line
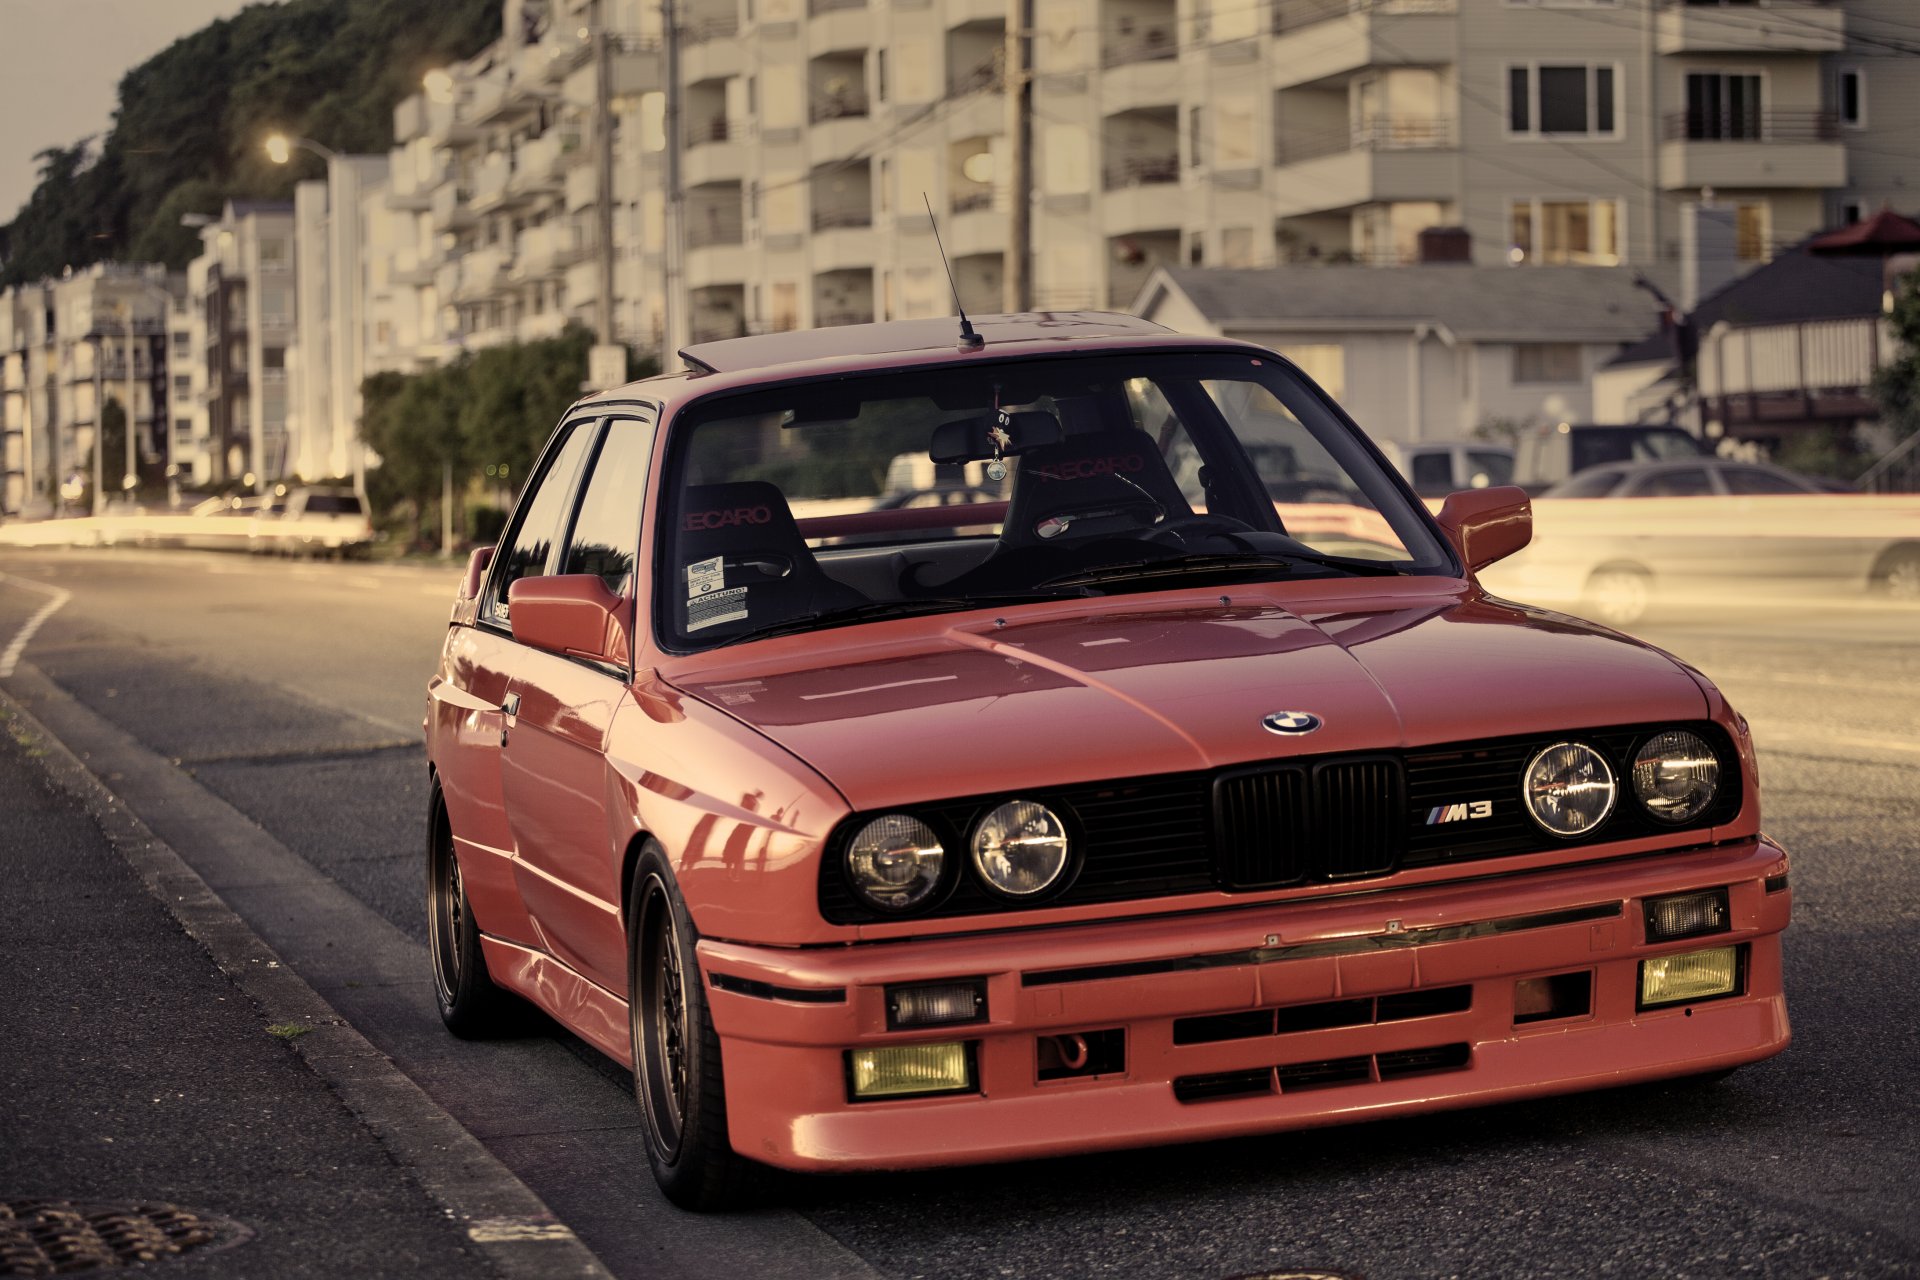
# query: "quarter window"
[530,544]
[607,530]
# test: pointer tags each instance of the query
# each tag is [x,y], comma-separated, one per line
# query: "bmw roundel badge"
[1290,722]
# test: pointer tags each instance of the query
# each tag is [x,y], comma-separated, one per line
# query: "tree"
[1897,385]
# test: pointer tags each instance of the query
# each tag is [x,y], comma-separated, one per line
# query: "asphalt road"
[293,694]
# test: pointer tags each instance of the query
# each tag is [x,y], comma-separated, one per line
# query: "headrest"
[1088,469]
[743,514]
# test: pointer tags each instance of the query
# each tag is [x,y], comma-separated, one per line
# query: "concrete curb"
[507,1222]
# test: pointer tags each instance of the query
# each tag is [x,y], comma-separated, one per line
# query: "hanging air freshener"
[1001,437]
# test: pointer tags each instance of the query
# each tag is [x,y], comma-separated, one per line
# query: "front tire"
[1618,595]
[677,1076]
[471,1005]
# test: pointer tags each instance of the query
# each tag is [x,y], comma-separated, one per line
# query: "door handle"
[509,708]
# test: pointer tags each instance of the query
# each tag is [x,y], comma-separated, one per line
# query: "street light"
[280,148]
[439,84]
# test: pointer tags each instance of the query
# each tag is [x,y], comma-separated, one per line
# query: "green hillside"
[188,128]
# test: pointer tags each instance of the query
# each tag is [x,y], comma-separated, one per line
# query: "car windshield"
[816,504]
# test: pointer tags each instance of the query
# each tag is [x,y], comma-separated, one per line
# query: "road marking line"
[11,656]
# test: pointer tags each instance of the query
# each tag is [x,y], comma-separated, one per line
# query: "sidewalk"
[133,1070]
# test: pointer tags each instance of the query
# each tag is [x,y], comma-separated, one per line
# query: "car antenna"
[969,340]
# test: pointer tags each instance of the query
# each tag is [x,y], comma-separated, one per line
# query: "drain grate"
[59,1237]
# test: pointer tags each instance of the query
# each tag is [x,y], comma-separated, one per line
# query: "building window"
[880,75]
[1561,100]
[884,195]
[1566,232]
[1536,362]
[182,384]
[183,428]
[1196,130]
[1850,98]
[273,253]
[1851,212]
[1723,107]
[1752,224]
[181,342]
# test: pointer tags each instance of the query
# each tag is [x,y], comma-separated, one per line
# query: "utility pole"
[1018,290]
[603,159]
[132,474]
[671,310]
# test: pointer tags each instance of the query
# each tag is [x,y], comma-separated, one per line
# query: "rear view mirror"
[572,614]
[1485,525]
[972,439]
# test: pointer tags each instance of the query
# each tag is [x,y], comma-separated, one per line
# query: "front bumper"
[784,1031]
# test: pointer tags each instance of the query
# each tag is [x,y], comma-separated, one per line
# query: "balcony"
[409,118]
[1386,133]
[1723,149]
[1156,43]
[714,152]
[713,26]
[970,201]
[451,210]
[714,226]
[1309,46]
[1141,171]
[1781,26]
[982,77]
[817,7]
[847,104]
[537,168]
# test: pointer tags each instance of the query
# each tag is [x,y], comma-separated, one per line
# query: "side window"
[1432,474]
[537,522]
[1597,483]
[1750,482]
[607,530]
[1687,482]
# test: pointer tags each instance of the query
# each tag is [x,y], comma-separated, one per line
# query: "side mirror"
[476,572]
[572,614]
[1485,525]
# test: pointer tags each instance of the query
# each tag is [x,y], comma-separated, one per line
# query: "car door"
[470,702]
[554,764]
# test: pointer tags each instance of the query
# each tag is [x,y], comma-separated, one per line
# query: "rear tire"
[677,1075]
[1899,577]
[471,1005]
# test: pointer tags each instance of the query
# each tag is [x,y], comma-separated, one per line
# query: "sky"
[60,68]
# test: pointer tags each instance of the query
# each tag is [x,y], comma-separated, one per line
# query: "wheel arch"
[1890,555]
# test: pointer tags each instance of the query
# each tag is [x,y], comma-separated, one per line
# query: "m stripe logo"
[1459,812]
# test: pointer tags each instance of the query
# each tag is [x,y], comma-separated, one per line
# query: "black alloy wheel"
[677,1076]
[470,1004]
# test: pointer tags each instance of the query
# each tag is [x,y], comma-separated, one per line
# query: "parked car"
[1550,454]
[1438,468]
[1617,542]
[314,521]
[1131,808]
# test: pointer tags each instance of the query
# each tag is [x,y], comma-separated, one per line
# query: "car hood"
[933,708]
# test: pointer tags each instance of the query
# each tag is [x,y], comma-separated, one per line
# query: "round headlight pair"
[1569,788]
[896,861]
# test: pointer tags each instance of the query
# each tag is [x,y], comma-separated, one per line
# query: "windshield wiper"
[1182,566]
[880,610]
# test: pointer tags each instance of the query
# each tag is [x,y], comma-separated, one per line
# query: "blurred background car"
[1693,478]
[316,520]
[1437,469]
[1550,454]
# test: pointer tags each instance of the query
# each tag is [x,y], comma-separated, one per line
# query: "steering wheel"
[1183,531]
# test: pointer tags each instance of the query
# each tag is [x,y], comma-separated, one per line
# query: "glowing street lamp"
[280,148]
[439,84]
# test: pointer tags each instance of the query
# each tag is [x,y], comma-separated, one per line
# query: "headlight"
[894,862]
[1020,849]
[1675,775]
[1568,789]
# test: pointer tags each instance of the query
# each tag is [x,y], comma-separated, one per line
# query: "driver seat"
[764,572]
[1082,487]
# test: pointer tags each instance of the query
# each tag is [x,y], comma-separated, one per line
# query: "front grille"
[1293,822]
[1298,824]
[1326,1014]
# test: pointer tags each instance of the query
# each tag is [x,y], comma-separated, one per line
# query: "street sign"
[606,366]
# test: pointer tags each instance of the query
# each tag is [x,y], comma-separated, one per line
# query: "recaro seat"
[743,564]
[1090,482]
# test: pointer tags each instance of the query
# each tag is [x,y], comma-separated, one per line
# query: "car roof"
[736,363]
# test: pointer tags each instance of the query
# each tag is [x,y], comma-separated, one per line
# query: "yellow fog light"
[901,1069]
[1694,975]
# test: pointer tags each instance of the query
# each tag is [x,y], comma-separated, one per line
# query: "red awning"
[1884,233]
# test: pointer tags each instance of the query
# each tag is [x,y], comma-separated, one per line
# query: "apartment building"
[67,348]
[1165,133]
[243,284]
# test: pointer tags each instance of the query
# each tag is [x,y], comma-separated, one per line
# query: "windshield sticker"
[704,577]
[712,610]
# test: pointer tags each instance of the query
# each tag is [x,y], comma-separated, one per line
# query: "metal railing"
[1291,15]
[1153,44]
[1752,125]
[715,229]
[840,106]
[708,29]
[1386,133]
[1897,471]
[977,79]
[717,129]
[836,219]
[1143,171]
[968,201]
[816,7]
